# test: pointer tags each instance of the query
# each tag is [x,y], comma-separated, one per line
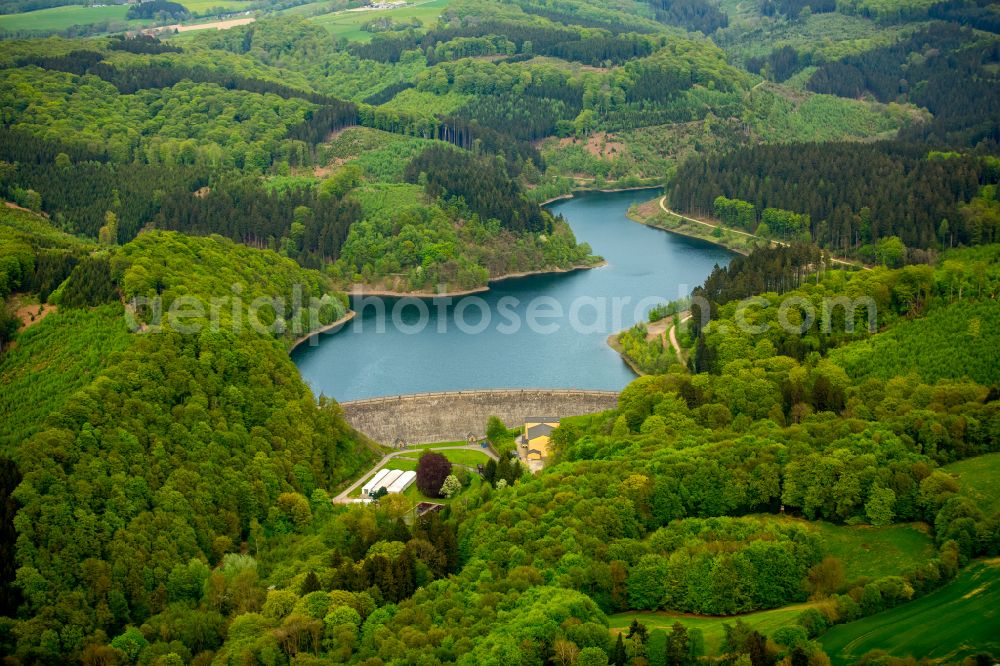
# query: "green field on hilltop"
[61,18]
[959,620]
[348,24]
[977,479]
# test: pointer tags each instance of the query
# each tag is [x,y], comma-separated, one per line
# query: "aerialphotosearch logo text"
[299,314]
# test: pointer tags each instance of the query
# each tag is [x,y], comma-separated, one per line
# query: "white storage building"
[374,483]
[389,479]
[402,482]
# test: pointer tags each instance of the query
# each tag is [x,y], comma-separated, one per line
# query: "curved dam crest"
[428,418]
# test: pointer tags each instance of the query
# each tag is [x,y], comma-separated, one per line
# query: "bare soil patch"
[33,313]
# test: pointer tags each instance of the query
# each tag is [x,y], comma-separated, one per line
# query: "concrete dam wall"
[426,418]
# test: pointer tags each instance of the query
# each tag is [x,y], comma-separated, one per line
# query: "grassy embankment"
[652,215]
[959,620]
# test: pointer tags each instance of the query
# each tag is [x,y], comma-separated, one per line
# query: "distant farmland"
[61,18]
[348,23]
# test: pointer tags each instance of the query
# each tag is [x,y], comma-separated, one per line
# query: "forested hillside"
[153,446]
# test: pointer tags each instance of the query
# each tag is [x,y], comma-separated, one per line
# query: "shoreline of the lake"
[355,292]
[647,222]
[629,361]
[584,190]
[331,327]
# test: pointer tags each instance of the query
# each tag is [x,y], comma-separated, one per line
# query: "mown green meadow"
[956,621]
[873,552]
[465,457]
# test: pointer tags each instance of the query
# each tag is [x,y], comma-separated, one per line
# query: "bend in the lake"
[541,331]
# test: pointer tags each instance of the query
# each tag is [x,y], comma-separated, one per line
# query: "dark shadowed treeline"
[854,193]
[481,182]
[701,15]
[314,224]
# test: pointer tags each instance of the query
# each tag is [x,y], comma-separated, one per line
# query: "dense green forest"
[171,422]
[819,455]
[143,571]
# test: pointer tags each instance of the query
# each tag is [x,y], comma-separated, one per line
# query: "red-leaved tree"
[432,470]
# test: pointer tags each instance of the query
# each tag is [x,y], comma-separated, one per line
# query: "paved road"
[663,205]
[344,497]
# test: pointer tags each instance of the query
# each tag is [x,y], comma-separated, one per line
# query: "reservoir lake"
[539,331]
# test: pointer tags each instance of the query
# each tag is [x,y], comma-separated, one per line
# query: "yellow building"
[535,440]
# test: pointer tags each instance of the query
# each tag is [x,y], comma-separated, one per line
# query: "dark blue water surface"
[547,331]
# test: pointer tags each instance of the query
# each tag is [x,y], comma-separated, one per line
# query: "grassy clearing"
[466,457]
[711,628]
[957,621]
[457,457]
[873,552]
[646,152]
[348,24]
[780,115]
[977,478]
[60,18]
[414,495]
[415,102]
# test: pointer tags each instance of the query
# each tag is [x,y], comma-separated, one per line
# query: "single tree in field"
[620,657]
[451,486]
[638,629]
[678,653]
[656,648]
[432,470]
[825,578]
